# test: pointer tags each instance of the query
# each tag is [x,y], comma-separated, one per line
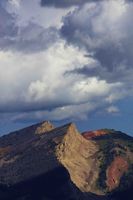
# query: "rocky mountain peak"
[75,154]
[44,127]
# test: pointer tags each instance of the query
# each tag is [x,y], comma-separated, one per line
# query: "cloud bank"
[36,84]
[106,37]
[69,69]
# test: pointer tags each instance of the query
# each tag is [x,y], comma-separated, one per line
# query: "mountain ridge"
[85,165]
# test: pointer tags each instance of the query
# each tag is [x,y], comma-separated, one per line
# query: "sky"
[66,60]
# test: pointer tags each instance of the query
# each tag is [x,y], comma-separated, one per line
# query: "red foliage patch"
[94,134]
[115,171]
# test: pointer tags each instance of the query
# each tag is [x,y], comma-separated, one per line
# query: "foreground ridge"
[42,162]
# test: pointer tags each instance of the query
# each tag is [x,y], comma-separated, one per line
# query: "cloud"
[32,38]
[56,114]
[40,82]
[113,109]
[63,3]
[24,32]
[32,11]
[15,3]
[7,26]
[64,70]
[107,37]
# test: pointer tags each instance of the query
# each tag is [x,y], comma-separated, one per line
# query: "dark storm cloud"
[118,74]
[69,3]
[64,3]
[32,38]
[28,39]
[108,38]
[21,106]
[7,26]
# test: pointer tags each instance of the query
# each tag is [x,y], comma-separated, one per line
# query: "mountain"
[42,162]
[115,158]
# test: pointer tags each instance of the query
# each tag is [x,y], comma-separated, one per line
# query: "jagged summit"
[43,127]
[75,153]
[25,134]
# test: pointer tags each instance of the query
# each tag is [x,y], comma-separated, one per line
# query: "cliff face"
[78,156]
[46,163]
[98,164]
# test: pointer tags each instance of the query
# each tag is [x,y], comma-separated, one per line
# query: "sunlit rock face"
[78,155]
[42,162]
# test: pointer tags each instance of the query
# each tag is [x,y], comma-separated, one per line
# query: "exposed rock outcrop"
[78,156]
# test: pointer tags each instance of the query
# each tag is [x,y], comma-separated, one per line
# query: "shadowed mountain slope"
[26,134]
[29,166]
[115,157]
